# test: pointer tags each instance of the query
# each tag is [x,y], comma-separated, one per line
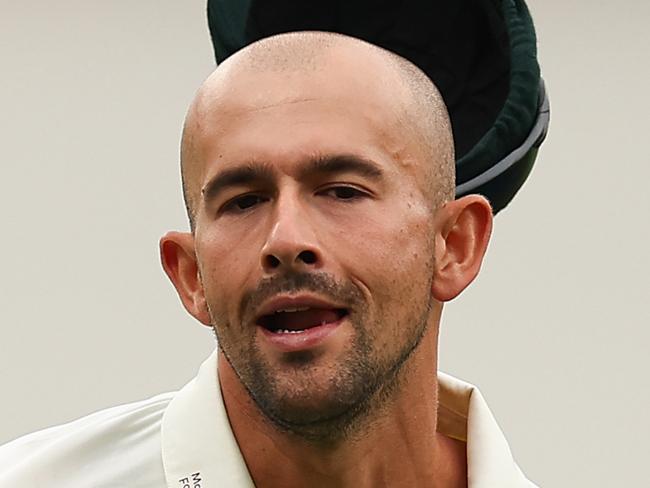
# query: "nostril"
[272,261]
[307,257]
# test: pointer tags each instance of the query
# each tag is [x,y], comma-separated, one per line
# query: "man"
[318,173]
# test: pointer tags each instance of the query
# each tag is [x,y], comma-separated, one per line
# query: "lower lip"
[301,341]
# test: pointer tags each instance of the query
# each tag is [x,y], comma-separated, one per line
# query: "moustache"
[323,284]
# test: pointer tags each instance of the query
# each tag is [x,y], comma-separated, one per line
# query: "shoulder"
[119,446]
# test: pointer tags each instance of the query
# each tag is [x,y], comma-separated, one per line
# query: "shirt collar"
[463,414]
[198,443]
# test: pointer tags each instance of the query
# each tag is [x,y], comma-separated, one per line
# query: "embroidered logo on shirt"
[191,481]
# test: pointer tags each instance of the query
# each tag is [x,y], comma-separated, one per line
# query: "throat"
[361,465]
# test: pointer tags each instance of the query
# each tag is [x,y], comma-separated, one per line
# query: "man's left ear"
[463,229]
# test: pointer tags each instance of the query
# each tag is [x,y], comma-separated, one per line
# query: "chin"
[314,402]
[323,418]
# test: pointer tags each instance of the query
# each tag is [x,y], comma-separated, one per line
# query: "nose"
[292,242]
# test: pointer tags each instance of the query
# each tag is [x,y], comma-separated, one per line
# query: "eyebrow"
[341,163]
[259,172]
[251,173]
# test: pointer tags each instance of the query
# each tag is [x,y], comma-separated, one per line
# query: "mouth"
[299,323]
[299,319]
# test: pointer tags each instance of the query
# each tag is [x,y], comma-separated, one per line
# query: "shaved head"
[313,62]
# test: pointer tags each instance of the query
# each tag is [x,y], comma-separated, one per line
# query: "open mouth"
[297,320]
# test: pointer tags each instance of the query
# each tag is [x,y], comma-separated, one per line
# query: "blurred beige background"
[554,332]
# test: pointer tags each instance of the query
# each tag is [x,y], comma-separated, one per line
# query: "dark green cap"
[481,54]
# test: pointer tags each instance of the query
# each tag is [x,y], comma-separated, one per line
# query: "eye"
[243,203]
[344,192]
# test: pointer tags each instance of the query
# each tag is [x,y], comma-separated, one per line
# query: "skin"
[360,409]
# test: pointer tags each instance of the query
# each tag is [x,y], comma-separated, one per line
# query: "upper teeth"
[293,309]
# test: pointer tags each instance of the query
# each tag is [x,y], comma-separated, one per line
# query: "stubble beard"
[361,386]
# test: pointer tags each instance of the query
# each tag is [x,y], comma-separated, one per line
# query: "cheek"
[390,253]
[225,272]
[392,259]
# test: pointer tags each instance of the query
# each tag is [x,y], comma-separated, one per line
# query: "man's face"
[314,244]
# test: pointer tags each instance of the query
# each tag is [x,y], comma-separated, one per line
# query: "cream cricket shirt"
[183,440]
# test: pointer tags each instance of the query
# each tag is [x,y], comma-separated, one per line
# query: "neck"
[398,446]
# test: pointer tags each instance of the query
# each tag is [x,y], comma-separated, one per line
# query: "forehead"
[279,116]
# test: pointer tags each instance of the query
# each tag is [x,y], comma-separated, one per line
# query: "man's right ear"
[179,262]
